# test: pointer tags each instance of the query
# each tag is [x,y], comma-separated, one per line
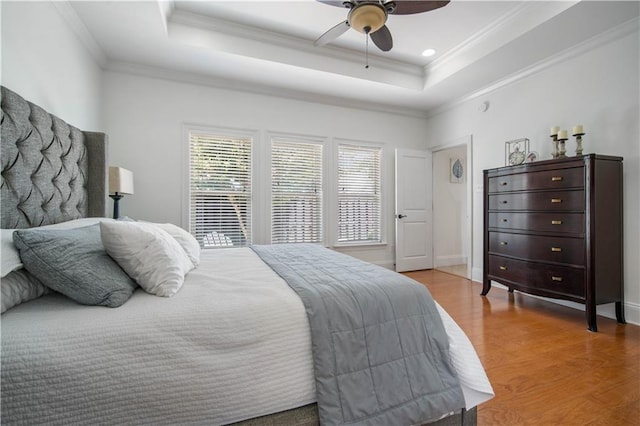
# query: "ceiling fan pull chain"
[366,50]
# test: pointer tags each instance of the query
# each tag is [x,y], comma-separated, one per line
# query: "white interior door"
[414,249]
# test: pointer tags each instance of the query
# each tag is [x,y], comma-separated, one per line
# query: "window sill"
[357,245]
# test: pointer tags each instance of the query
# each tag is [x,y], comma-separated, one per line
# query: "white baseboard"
[385,264]
[450,260]
[476,275]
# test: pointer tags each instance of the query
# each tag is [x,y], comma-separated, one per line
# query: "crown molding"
[301,52]
[76,25]
[496,35]
[258,89]
[479,37]
[167,8]
[602,39]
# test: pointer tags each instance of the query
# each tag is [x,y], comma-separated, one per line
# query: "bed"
[235,343]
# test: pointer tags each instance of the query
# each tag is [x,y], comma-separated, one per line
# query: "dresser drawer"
[562,223]
[546,179]
[547,200]
[534,247]
[559,280]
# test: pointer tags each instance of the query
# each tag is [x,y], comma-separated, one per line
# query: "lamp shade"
[120,181]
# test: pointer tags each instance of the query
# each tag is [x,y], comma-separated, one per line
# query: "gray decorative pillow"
[73,262]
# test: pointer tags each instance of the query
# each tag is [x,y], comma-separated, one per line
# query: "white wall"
[45,63]
[144,118]
[598,89]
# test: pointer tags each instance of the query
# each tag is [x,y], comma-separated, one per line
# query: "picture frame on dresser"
[554,229]
[515,151]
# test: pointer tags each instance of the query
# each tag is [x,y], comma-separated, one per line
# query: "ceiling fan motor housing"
[370,17]
[367,17]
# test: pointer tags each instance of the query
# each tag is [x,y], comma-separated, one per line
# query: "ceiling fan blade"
[409,7]
[332,34]
[382,38]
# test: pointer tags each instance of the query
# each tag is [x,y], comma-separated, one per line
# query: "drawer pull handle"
[503,243]
[504,201]
[556,222]
[503,268]
[556,249]
[555,278]
[556,178]
[556,200]
[503,183]
[504,220]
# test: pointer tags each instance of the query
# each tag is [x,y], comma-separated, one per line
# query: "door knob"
[400,216]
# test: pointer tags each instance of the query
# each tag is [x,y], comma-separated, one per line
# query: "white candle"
[562,134]
[578,129]
[554,130]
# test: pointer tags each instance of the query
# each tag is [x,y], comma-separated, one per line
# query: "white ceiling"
[267,46]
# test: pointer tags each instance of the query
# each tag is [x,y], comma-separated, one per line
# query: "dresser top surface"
[560,162]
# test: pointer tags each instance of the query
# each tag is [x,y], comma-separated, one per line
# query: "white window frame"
[261,180]
[337,142]
[214,131]
[326,189]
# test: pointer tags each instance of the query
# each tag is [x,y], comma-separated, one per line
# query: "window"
[220,189]
[230,202]
[359,202]
[296,191]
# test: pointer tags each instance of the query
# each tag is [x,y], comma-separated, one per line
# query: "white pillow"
[8,253]
[148,254]
[10,258]
[20,287]
[186,240]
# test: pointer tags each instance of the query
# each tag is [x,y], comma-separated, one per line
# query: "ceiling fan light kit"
[367,17]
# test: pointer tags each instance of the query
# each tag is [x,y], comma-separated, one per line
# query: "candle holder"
[561,151]
[554,146]
[578,142]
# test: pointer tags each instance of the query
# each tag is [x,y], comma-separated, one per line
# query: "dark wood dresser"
[554,229]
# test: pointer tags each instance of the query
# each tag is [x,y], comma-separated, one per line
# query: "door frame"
[467,141]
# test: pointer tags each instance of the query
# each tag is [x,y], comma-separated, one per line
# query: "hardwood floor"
[545,367]
[459,270]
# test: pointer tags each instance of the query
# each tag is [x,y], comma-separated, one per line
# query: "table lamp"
[120,182]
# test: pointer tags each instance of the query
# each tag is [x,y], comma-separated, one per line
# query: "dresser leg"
[620,313]
[591,318]
[486,286]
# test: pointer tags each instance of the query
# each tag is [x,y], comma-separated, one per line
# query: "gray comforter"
[381,355]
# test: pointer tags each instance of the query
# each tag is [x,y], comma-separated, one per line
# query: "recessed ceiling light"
[429,52]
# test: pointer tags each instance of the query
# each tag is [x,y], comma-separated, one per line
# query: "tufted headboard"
[51,171]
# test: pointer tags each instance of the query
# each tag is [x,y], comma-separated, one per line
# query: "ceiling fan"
[370,16]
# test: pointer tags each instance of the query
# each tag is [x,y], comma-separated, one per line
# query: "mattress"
[233,344]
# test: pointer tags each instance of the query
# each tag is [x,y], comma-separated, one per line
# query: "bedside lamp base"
[116,204]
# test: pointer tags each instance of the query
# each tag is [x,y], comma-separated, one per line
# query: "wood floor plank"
[545,367]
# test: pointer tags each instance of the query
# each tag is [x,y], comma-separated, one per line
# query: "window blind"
[220,190]
[296,192]
[359,201]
